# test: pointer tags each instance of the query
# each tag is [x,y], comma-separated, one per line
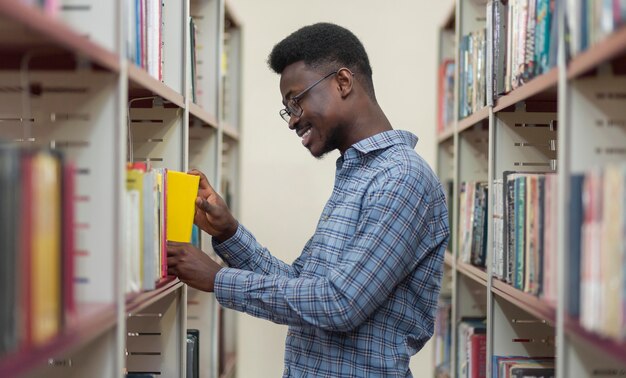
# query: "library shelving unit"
[107,83]
[544,133]
[218,36]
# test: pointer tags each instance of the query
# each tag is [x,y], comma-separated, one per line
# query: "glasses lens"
[292,110]
[284,113]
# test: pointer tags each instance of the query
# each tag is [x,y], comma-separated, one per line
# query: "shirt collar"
[380,141]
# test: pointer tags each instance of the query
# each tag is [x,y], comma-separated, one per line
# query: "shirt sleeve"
[242,251]
[392,237]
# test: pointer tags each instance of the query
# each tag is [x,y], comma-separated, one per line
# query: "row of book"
[522,367]
[472,57]
[525,227]
[473,223]
[37,246]
[159,206]
[144,35]
[521,35]
[445,101]
[471,354]
[597,240]
[588,22]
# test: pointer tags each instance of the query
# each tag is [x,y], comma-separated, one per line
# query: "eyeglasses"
[293,109]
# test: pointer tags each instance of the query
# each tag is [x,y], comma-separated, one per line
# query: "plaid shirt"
[361,298]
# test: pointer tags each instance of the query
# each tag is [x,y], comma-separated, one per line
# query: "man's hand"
[191,265]
[212,213]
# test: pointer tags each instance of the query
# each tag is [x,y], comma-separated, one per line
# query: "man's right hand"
[212,213]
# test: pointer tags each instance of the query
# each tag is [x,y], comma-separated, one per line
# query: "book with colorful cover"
[182,190]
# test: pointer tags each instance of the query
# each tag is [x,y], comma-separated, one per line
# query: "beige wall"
[283,188]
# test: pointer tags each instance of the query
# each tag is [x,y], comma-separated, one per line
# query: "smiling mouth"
[305,134]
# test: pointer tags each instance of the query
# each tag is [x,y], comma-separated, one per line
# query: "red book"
[69,240]
[478,355]
[25,263]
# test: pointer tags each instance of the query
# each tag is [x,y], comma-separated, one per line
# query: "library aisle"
[532,128]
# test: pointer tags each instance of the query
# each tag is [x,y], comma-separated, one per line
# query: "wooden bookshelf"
[91,321]
[138,301]
[614,46]
[231,131]
[541,89]
[85,90]
[35,29]
[584,95]
[475,273]
[141,84]
[471,120]
[602,345]
[445,135]
[527,302]
[202,115]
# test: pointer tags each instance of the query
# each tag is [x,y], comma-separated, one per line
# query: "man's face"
[318,125]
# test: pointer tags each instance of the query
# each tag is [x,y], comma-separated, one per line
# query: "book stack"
[144,39]
[589,22]
[472,90]
[522,367]
[472,348]
[473,223]
[520,46]
[160,206]
[445,111]
[525,232]
[601,228]
[37,246]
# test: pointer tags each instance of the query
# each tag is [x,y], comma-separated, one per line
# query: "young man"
[361,297]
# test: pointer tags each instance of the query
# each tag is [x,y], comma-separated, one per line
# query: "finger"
[205,184]
[172,261]
[204,205]
[174,248]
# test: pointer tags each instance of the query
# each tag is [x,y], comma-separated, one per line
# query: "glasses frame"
[293,108]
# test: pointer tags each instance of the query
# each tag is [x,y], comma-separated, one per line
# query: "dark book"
[532,372]
[10,190]
[193,353]
[574,234]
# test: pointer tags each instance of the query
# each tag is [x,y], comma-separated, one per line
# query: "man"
[361,297]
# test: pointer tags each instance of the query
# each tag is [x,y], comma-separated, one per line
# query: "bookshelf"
[75,78]
[558,121]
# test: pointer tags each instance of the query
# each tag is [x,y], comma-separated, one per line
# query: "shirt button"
[286,372]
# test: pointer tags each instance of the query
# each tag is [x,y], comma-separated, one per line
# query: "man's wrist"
[228,233]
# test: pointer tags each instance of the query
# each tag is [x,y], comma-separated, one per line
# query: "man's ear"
[345,78]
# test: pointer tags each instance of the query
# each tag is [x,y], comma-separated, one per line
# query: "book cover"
[182,190]
[69,240]
[46,247]
[9,231]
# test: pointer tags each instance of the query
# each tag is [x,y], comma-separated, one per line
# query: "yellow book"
[46,247]
[182,190]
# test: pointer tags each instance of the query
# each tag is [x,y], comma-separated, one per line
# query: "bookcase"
[104,83]
[530,146]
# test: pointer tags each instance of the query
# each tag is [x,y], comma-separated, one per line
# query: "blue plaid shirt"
[361,298]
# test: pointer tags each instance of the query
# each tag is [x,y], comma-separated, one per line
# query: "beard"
[332,143]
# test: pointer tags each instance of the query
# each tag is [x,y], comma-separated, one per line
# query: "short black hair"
[324,46]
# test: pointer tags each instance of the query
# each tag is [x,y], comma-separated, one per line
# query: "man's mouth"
[305,134]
